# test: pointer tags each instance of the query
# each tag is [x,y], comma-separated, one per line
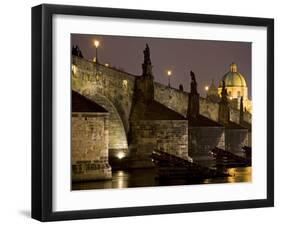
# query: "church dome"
[233,78]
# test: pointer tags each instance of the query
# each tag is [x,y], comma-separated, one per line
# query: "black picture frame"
[42,111]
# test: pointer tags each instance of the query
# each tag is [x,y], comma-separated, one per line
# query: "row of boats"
[170,166]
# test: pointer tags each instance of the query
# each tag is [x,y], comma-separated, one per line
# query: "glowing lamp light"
[96,43]
[120,155]
[206,88]
[107,65]
[169,72]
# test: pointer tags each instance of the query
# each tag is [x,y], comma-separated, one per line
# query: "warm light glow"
[74,69]
[95,59]
[96,43]
[169,72]
[120,155]
[107,65]
[125,84]
[206,88]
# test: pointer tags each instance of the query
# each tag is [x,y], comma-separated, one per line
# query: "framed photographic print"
[146,112]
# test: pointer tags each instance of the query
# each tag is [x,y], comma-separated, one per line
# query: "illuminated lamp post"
[169,74]
[96,44]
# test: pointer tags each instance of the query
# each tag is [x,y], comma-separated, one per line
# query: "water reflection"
[148,178]
[238,174]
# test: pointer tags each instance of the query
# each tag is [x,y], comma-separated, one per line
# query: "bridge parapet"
[118,87]
[172,98]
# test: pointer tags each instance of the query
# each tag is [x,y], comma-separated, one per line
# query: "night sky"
[207,59]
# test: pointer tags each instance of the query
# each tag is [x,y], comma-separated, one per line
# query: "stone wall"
[178,101]
[113,90]
[209,109]
[167,135]
[118,87]
[235,139]
[201,140]
[172,98]
[89,140]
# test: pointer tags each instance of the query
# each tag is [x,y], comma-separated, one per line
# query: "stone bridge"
[114,89]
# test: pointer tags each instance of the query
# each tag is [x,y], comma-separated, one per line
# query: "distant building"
[212,93]
[236,86]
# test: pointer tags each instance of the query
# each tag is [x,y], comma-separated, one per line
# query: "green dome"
[233,78]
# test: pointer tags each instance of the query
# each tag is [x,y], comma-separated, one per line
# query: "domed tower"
[236,86]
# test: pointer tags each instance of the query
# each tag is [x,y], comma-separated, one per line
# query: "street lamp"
[206,88]
[169,74]
[96,44]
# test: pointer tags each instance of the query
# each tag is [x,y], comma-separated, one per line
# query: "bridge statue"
[146,66]
[223,93]
[193,98]
[146,53]
[224,111]
[193,84]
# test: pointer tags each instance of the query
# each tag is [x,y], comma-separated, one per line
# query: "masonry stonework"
[166,135]
[90,146]
[235,139]
[201,140]
[89,78]
[135,139]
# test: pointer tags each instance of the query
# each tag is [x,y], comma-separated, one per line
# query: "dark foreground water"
[148,178]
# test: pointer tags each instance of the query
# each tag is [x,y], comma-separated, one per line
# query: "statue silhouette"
[223,93]
[193,84]
[146,53]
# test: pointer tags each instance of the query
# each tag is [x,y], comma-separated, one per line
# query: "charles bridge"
[118,92]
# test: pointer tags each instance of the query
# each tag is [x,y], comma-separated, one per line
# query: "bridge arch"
[117,135]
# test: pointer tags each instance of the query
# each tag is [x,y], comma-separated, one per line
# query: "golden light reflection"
[122,179]
[240,174]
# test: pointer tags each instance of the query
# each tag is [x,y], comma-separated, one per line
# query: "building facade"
[236,86]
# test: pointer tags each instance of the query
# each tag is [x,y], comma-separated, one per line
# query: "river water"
[148,178]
